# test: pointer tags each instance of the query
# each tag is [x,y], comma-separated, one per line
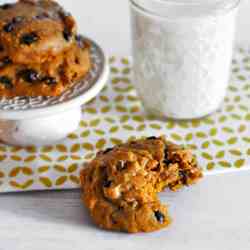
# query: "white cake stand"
[28,121]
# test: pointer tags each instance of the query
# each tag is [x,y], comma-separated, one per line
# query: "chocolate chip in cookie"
[29,75]
[184,177]
[6,81]
[121,165]
[151,138]
[5,62]
[67,34]
[10,26]
[107,150]
[41,16]
[107,183]
[166,160]
[29,38]
[6,6]
[159,216]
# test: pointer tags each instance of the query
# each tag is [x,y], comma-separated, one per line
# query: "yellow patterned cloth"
[220,141]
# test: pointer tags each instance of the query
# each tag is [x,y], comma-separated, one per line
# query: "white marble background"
[108,22]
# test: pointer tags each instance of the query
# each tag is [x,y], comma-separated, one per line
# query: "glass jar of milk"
[182,53]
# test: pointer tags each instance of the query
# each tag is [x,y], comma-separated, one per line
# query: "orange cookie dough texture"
[120,185]
[40,51]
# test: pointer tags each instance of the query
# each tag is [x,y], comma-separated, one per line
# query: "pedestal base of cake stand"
[40,131]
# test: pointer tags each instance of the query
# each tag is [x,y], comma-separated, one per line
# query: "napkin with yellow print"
[220,141]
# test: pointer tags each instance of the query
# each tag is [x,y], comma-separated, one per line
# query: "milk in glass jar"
[182,52]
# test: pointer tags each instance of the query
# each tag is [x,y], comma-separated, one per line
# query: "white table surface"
[213,215]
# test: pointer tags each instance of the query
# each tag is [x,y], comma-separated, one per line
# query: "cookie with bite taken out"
[121,184]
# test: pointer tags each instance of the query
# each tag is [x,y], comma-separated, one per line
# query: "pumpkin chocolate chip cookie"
[41,53]
[120,185]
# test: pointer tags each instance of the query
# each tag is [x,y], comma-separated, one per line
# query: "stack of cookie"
[40,51]
[120,185]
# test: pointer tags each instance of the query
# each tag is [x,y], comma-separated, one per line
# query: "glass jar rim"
[195,7]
